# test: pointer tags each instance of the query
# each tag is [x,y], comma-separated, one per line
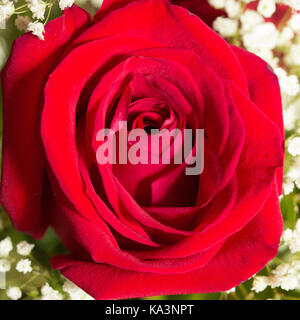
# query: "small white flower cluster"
[295,4]
[7,9]
[37,28]
[292,238]
[250,29]
[285,276]
[266,8]
[37,8]
[23,248]
[63,4]
[48,293]
[6,247]
[14,293]
[289,84]
[5,265]
[291,115]
[293,175]
[294,146]
[75,292]
[24,266]
[278,44]
[227,27]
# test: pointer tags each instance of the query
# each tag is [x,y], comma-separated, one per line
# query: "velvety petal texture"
[26,72]
[144,228]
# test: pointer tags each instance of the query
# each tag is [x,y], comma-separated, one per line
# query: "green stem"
[244,291]
[48,15]
[29,280]
[278,261]
[21,7]
[20,12]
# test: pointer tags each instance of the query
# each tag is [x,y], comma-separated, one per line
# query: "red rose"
[143,230]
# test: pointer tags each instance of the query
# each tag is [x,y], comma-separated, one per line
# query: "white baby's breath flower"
[293,57]
[261,37]
[287,235]
[274,281]
[294,22]
[292,239]
[289,84]
[233,8]
[63,4]
[295,4]
[249,19]
[7,8]
[22,22]
[75,292]
[24,248]
[266,7]
[296,265]
[294,244]
[294,146]
[37,28]
[285,37]
[37,8]
[225,27]
[294,170]
[14,293]
[288,186]
[259,283]
[267,55]
[24,266]
[290,116]
[217,4]
[5,247]
[5,265]
[289,282]
[231,290]
[281,270]
[48,293]
[280,73]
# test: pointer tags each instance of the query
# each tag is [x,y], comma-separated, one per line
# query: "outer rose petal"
[110,5]
[244,254]
[264,91]
[180,30]
[23,80]
[199,7]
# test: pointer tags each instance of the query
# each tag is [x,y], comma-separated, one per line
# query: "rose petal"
[23,80]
